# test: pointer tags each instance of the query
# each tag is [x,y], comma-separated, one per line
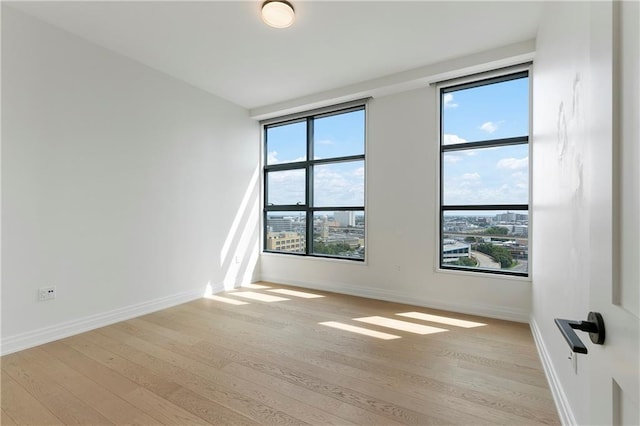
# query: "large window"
[314,185]
[484,175]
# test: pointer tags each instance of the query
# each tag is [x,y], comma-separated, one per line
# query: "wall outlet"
[46,293]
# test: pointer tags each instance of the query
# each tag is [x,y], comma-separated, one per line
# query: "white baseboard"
[559,397]
[489,311]
[48,334]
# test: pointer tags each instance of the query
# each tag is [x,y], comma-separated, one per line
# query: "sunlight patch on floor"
[259,296]
[401,325]
[359,330]
[302,294]
[255,286]
[442,320]
[225,300]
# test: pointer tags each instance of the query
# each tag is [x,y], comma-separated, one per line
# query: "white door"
[615,278]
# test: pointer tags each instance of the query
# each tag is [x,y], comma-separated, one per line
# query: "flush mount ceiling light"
[278,13]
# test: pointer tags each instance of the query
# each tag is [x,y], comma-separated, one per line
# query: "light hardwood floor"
[278,358]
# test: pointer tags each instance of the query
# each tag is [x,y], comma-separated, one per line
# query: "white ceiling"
[224,48]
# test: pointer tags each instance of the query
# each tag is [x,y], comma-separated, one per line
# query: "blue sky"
[498,175]
[493,111]
[481,176]
[340,184]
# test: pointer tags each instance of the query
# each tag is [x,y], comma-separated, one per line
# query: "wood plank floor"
[275,354]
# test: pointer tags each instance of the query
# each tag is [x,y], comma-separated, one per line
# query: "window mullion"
[518,207]
[286,166]
[520,140]
[310,156]
[338,159]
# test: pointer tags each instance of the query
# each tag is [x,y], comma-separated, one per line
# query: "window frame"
[466,82]
[308,165]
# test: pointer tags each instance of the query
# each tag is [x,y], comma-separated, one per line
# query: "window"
[484,175]
[314,185]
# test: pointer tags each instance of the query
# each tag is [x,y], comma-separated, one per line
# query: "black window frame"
[308,166]
[522,72]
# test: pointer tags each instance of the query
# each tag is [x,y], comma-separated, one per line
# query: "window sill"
[485,275]
[317,258]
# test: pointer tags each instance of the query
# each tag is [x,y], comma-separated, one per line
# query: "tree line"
[501,254]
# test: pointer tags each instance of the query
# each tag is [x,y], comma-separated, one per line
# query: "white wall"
[402,155]
[126,189]
[572,174]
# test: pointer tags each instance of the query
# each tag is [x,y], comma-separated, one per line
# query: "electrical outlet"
[46,293]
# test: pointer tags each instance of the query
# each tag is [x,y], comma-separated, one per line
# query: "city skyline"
[496,241]
[339,233]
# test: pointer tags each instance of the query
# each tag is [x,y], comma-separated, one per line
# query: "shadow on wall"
[239,254]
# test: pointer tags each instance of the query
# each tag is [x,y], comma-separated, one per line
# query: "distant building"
[285,241]
[352,242]
[521,230]
[506,217]
[510,217]
[325,230]
[455,226]
[453,250]
[280,223]
[345,218]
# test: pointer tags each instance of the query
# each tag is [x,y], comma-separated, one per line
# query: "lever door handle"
[594,326]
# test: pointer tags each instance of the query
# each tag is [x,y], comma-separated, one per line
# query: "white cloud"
[452,159]
[272,157]
[471,176]
[324,142]
[339,185]
[519,176]
[520,180]
[448,101]
[489,127]
[474,192]
[513,163]
[452,139]
[286,187]
[489,187]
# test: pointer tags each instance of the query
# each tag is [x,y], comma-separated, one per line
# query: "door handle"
[594,325]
